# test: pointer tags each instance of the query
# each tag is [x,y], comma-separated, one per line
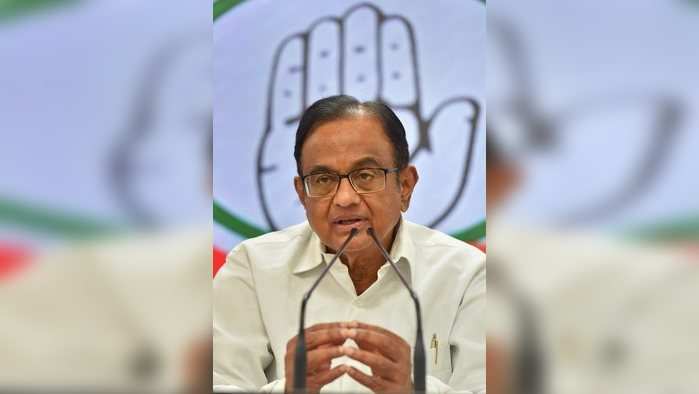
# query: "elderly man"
[353,172]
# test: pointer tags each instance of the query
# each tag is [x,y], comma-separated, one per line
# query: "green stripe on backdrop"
[10,9]
[70,225]
[234,223]
[50,221]
[221,6]
[473,233]
[677,230]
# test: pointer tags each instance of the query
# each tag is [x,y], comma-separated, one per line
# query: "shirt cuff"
[275,386]
[226,388]
[435,385]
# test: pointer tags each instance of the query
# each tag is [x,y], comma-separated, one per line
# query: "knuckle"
[310,342]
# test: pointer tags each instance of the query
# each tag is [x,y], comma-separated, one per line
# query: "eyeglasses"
[363,181]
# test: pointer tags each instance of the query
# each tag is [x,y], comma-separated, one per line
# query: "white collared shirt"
[258,292]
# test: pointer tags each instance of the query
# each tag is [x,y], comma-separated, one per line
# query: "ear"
[408,179]
[300,191]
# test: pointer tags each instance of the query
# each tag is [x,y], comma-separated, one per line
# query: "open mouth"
[348,222]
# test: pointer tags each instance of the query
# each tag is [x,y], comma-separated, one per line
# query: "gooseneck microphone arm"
[300,355]
[419,350]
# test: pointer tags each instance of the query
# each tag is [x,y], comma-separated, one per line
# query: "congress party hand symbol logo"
[371,56]
[630,134]
[159,164]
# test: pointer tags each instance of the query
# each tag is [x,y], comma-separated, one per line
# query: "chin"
[360,242]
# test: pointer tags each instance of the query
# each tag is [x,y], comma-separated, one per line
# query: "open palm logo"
[372,56]
[602,152]
[163,149]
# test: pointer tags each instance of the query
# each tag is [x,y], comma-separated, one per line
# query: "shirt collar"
[312,254]
[402,251]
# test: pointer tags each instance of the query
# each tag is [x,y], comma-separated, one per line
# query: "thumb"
[442,157]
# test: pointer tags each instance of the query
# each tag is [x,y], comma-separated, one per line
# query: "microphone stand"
[300,355]
[419,349]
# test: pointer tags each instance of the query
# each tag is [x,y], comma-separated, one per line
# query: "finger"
[325,377]
[367,339]
[369,381]
[444,160]
[285,103]
[276,171]
[379,329]
[325,326]
[321,367]
[327,345]
[333,336]
[319,339]
[318,357]
[317,327]
[392,347]
[286,88]
[379,364]
[323,78]
[360,53]
[399,72]
[412,126]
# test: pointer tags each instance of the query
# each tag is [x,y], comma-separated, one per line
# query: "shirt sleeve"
[241,346]
[276,386]
[436,386]
[467,338]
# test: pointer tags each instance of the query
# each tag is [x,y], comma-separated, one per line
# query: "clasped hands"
[387,354]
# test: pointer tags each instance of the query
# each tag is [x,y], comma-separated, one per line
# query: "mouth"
[348,223]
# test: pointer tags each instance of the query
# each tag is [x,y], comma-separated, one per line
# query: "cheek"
[385,211]
[317,212]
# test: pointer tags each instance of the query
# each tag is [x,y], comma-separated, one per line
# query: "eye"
[366,175]
[323,179]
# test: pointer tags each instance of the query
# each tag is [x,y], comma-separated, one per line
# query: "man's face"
[342,146]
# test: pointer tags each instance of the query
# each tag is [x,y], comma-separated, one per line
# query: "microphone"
[419,352]
[300,356]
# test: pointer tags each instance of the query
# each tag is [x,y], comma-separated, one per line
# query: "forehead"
[343,143]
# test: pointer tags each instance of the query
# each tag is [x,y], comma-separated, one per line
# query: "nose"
[346,195]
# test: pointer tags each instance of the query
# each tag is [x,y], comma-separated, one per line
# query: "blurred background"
[593,216]
[105,190]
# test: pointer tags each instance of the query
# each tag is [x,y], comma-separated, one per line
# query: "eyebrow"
[366,161]
[320,170]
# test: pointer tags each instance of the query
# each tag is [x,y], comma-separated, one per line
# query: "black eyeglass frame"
[386,171]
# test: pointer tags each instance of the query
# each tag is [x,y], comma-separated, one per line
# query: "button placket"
[341,274]
[355,310]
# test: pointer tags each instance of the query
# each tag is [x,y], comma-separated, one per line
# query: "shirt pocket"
[438,357]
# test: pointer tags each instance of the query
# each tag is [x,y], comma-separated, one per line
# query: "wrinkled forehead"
[347,143]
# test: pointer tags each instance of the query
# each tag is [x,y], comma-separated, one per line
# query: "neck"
[364,265]
[363,269]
